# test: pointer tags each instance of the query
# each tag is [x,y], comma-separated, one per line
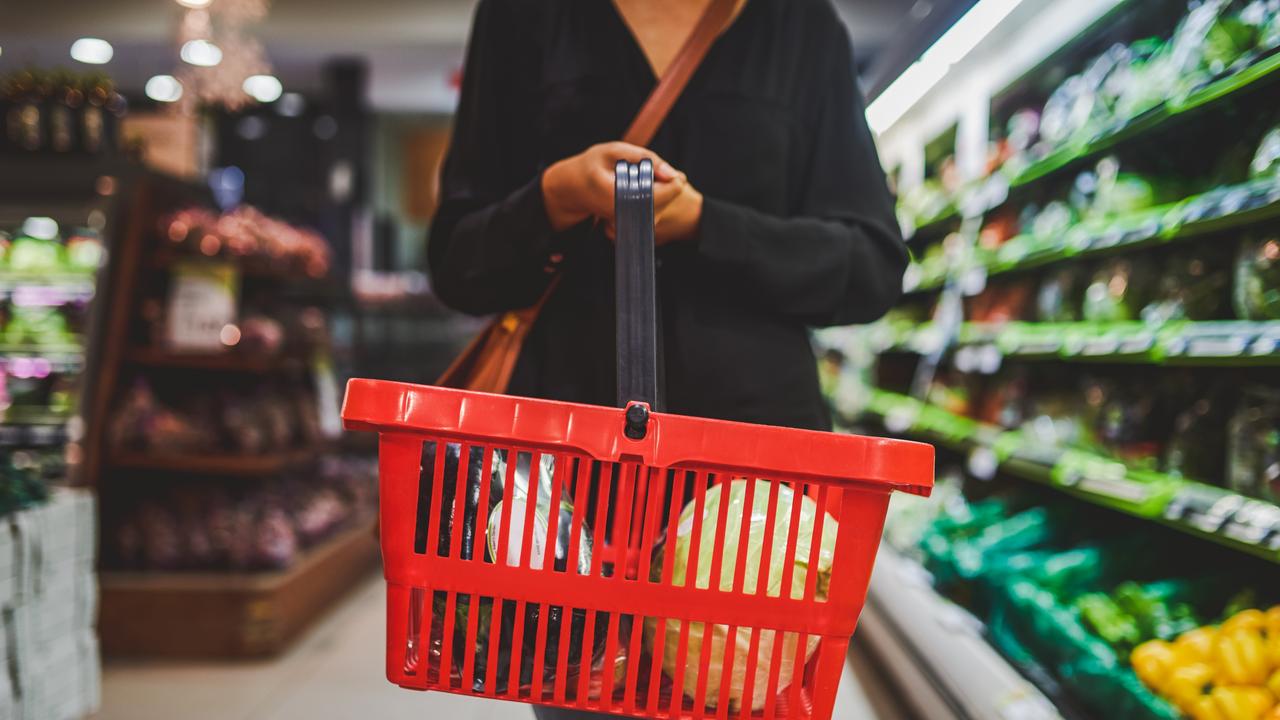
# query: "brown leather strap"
[677,75]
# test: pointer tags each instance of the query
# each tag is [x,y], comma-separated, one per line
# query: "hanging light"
[164,88]
[263,88]
[195,4]
[201,53]
[92,51]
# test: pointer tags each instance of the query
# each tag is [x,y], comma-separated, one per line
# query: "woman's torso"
[741,133]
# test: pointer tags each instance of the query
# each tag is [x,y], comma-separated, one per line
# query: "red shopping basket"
[619,560]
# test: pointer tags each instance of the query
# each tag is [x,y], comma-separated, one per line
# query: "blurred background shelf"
[230,615]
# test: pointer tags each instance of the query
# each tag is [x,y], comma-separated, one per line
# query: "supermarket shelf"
[225,361]
[32,436]
[1261,72]
[47,288]
[1229,519]
[38,361]
[936,652]
[249,266]
[1227,342]
[215,464]
[230,614]
[1217,210]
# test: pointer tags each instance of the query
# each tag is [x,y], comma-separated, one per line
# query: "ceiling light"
[201,53]
[924,74]
[263,88]
[194,4]
[91,51]
[164,88]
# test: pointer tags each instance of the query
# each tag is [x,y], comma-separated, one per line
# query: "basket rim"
[673,441]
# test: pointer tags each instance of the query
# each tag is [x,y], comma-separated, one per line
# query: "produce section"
[1088,332]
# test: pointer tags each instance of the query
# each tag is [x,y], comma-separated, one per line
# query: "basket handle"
[637,345]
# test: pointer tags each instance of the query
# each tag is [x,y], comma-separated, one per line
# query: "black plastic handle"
[636,293]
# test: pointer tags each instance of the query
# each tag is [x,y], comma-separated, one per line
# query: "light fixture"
[91,51]
[924,74]
[263,88]
[164,88]
[195,4]
[40,228]
[201,53]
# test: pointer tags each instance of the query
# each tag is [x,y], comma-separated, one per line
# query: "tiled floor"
[335,673]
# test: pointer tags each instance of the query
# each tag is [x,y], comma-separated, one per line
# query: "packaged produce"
[1193,286]
[1120,288]
[441,529]
[1001,303]
[715,639]
[1253,445]
[1257,279]
[1197,447]
[1060,295]
[1266,163]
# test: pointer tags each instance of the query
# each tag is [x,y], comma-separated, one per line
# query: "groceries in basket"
[495,540]
[715,638]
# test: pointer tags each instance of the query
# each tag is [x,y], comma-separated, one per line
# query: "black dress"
[798,228]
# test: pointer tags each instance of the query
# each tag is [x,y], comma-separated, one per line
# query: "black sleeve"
[839,258]
[490,240]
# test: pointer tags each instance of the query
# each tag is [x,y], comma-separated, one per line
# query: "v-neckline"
[637,50]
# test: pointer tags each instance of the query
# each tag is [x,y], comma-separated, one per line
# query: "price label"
[1110,238]
[1138,344]
[1263,346]
[202,302]
[1116,489]
[1100,346]
[1231,346]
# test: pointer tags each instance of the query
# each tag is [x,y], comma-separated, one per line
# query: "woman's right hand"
[581,187]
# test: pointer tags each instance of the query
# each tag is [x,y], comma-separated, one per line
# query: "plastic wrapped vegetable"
[1266,162]
[715,638]
[1118,292]
[1193,286]
[1257,278]
[1059,296]
[1197,446]
[1253,436]
[498,679]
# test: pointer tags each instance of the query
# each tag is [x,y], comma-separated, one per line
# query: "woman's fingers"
[662,170]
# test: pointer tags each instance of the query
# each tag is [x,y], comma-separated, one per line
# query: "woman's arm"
[839,258]
[491,240]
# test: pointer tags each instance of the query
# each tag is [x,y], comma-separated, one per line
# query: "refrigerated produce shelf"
[1225,343]
[1224,208]
[936,651]
[1245,524]
[224,464]
[1255,76]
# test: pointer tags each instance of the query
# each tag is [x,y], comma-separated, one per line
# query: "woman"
[772,211]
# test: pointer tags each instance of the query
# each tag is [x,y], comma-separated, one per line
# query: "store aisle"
[335,673]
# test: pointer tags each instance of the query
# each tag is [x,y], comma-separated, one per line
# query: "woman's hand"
[581,187]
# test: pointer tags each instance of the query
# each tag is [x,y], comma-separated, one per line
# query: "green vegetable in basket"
[1156,608]
[714,639]
[28,254]
[1253,437]
[1257,276]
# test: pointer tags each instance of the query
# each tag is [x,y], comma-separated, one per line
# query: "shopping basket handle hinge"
[637,425]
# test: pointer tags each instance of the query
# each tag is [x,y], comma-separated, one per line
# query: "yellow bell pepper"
[1196,646]
[1186,684]
[1204,708]
[1152,661]
[1273,715]
[1273,620]
[1241,658]
[1242,703]
[1273,683]
[1273,648]
[1246,620]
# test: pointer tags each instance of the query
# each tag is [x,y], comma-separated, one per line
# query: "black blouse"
[797,228]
